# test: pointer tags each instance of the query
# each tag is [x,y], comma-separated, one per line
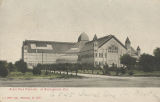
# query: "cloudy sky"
[64,20]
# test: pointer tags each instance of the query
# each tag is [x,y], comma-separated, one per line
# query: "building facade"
[43,52]
[99,51]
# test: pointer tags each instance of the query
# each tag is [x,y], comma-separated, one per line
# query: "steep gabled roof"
[108,38]
[101,41]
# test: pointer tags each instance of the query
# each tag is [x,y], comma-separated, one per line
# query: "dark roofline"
[120,42]
[35,41]
[89,42]
[97,39]
[112,36]
[103,37]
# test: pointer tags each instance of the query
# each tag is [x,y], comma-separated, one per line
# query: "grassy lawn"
[29,76]
[142,73]
[99,72]
[96,72]
[113,73]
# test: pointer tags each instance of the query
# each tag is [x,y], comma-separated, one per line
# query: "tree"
[11,67]
[97,68]
[53,67]
[59,67]
[66,67]
[21,66]
[37,70]
[76,66]
[147,62]
[3,69]
[122,70]
[128,61]
[92,68]
[72,67]
[156,53]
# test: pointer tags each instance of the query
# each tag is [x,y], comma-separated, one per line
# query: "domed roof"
[83,37]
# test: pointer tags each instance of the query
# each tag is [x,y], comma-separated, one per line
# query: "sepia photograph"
[72,46]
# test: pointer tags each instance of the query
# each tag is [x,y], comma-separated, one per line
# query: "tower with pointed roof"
[95,47]
[138,51]
[95,41]
[128,43]
[95,37]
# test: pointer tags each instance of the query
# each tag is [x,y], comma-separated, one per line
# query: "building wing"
[34,46]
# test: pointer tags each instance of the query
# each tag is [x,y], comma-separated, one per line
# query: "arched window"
[113,49]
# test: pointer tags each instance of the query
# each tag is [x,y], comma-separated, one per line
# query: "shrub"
[46,72]
[123,70]
[11,67]
[36,71]
[4,72]
[128,61]
[156,53]
[3,69]
[147,62]
[117,71]
[21,66]
[106,70]
[131,73]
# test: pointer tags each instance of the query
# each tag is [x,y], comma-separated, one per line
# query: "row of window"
[40,55]
[113,49]
[35,63]
[101,55]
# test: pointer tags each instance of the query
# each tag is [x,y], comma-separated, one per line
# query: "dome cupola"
[83,37]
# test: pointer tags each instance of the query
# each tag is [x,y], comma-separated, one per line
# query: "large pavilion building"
[98,51]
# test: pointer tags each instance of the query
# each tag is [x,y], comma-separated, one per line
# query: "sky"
[65,20]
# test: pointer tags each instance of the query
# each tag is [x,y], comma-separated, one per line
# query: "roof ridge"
[48,41]
[112,36]
[104,37]
[98,39]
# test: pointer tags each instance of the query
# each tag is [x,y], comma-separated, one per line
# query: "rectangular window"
[96,55]
[101,55]
[106,55]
